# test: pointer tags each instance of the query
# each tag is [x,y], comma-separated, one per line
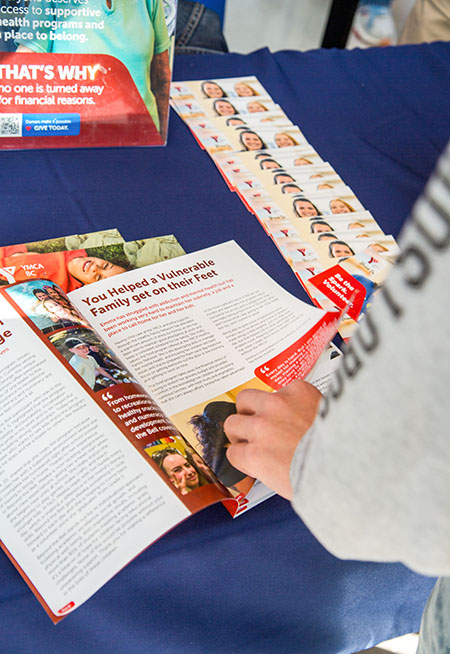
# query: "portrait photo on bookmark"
[269,119]
[333,251]
[240,106]
[320,204]
[264,138]
[228,87]
[360,222]
[298,157]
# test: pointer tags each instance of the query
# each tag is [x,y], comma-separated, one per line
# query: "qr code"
[10,125]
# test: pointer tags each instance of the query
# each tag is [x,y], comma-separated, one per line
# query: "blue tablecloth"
[261,583]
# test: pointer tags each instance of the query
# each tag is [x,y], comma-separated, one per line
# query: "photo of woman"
[251,140]
[318,226]
[183,466]
[284,140]
[267,164]
[75,268]
[69,270]
[340,249]
[180,471]
[254,107]
[304,208]
[224,108]
[340,206]
[212,90]
[244,90]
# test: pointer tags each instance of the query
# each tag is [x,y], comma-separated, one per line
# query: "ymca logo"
[8,274]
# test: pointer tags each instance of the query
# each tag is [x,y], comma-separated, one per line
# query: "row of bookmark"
[335,247]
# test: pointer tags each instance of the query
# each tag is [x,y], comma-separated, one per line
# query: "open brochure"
[94,466]
[82,73]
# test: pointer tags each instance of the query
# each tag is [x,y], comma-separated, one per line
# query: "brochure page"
[77,261]
[79,494]
[197,330]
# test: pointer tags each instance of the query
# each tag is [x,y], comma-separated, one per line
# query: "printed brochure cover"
[85,73]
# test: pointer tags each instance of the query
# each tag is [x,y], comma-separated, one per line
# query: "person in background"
[102,360]
[198,29]
[59,313]
[373,25]
[428,20]
[377,22]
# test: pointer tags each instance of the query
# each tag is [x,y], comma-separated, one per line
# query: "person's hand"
[266,430]
[180,485]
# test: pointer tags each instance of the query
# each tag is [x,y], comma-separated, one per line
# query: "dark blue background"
[261,583]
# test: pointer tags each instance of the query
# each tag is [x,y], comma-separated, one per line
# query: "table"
[261,583]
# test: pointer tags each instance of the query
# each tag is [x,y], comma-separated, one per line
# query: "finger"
[249,401]
[238,428]
[237,455]
[301,390]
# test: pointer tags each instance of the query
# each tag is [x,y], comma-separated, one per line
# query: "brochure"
[334,246]
[84,74]
[94,466]
[71,268]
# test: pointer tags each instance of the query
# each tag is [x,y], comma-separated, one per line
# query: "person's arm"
[371,478]
[101,371]
[160,76]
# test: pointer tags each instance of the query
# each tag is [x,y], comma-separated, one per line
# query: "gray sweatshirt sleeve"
[371,479]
